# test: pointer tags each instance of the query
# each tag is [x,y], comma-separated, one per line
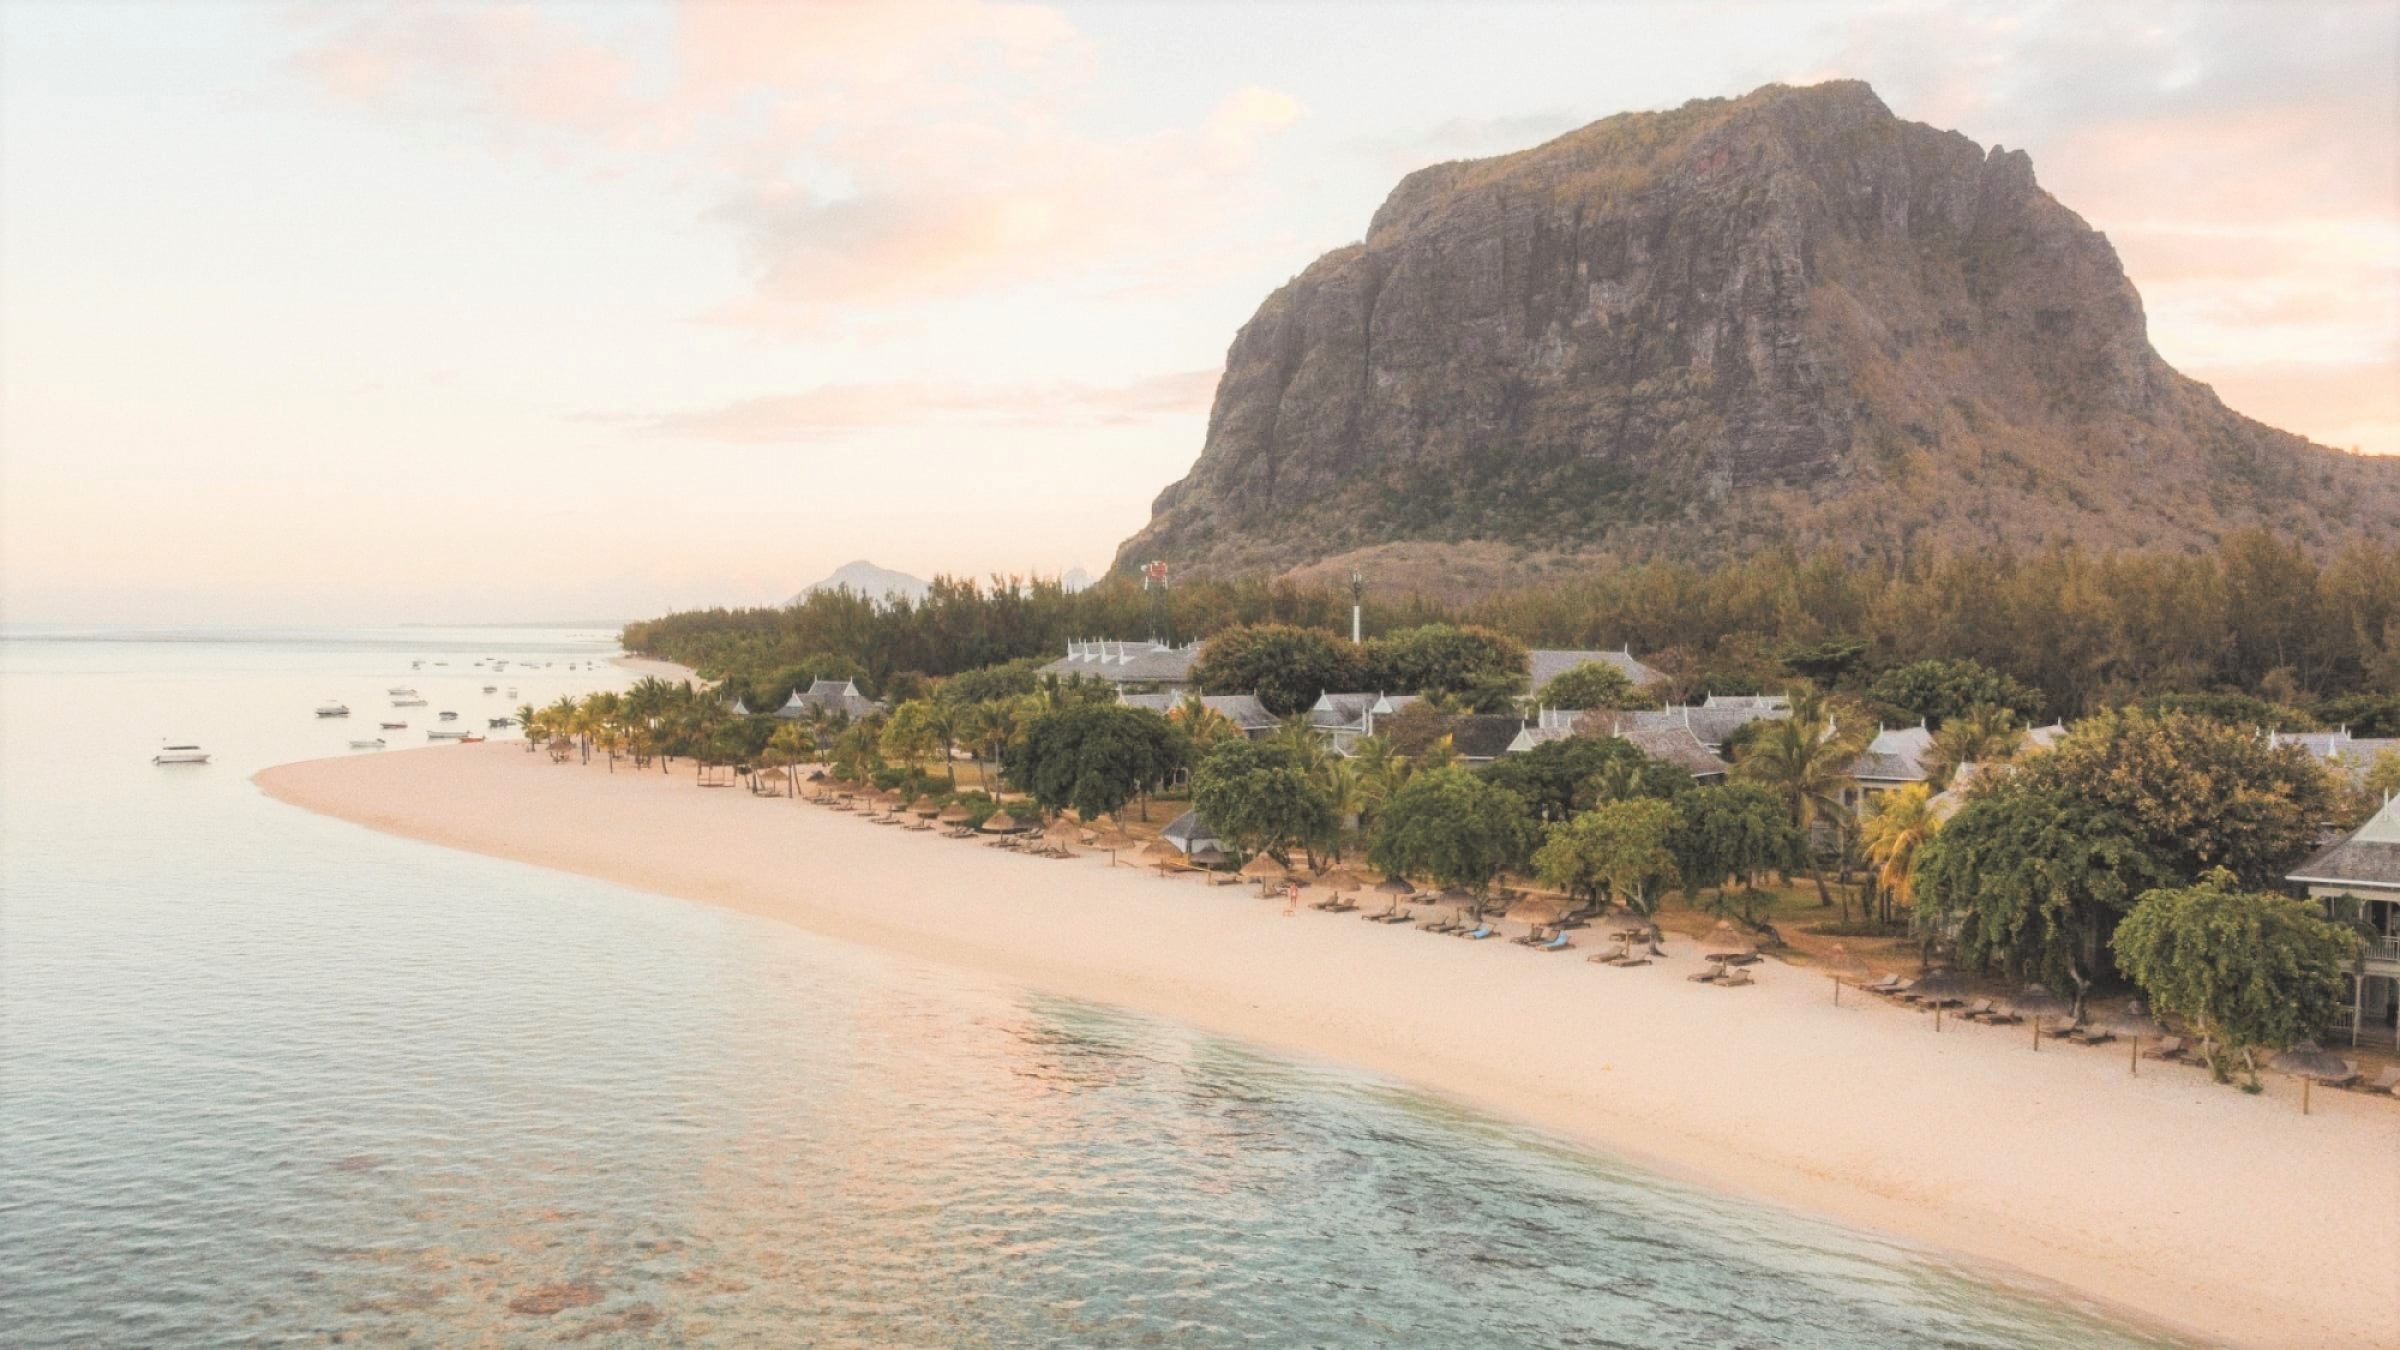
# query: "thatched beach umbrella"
[925,806]
[956,813]
[1342,879]
[1395,886]
[2038,1005]
[1724,943]
[1000,822]
[2312,1064]
[1263,869]
[1112,839]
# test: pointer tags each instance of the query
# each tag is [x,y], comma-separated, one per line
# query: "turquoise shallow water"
[266,1077]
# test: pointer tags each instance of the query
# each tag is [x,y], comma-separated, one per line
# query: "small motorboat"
[376,744]
[512,691]
[395,726]
[470,739]
[333,709]
[439,735]
[180,754]
[491,689]
[401,691]
[500,723]
[416,665]
[449,717]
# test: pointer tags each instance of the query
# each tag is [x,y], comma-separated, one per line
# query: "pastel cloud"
[2242,159]
[833,411]
[859,155]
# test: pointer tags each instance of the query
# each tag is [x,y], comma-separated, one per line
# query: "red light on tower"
[1155,575]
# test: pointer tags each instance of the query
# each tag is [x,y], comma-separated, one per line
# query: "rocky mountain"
[1790,317]
[875,583]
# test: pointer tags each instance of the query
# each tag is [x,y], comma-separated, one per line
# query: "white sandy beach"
[2224,1216]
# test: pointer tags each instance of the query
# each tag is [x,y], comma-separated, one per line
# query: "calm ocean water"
[266,1077]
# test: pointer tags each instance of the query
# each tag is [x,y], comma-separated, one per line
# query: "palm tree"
[1202,723]
[527,719]
[1345,790]
[797,744]
[945,720]
[1805,759]
[561,717]
[1982,735]
[1892,834]
[1295,734]
[1381,770]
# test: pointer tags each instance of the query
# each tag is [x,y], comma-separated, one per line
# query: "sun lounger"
[2171,1047]
[2091,1035]
[1397,916]
[2387,1082]
[1898,990]
[1379,915]
[2349,1079]
[1537,937]
[1889,984]
[1978,1010]
[1481,933]
[1706,975]
[1735,979]
[1631,961]
[1555,944]
[1607,958]
[1439,926]
[1341,907]
[2001,1017]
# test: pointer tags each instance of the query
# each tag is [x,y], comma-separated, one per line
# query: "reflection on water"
[269,1077]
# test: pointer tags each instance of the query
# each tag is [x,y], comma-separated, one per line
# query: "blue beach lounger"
[1556,944]
[1479,934]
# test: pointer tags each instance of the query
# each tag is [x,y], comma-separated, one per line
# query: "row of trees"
[2313,640]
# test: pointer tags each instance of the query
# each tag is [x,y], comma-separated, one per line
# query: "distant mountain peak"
[867,579]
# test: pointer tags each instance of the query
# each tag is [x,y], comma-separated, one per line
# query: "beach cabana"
[1724,943]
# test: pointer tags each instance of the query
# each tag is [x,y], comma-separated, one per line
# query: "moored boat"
[449,717]
[375,744]
[499,723]
[408,703]
[329,708]
[180,754]
[401,691]
[471,738]
[395,726]
[491,689]
[436,734]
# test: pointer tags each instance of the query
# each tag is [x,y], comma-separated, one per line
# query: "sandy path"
[2222,1215]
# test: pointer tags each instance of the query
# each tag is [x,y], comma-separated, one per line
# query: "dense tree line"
[2313,641]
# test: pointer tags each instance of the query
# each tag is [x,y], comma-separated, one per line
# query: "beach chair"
[1379,915]
[1709,974]
[1534,938]
[1898,990]
[1631,961]
[1735,979]
[2387,1083]
[1480,934]
[2347,1079]
[2002,1017]
[1555,944]
[2087,1035]
[1889,984]
[1398,916]
[1978,1010]
[1438,926]
[2171,1047]
[1608,958]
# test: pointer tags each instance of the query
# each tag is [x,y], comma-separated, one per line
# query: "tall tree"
[1259,799]
[1619,848]
[1453,827]
[1805,760]
[1094,757]
[2249,971]
[1731,833]
[1896,829]
[1285,666]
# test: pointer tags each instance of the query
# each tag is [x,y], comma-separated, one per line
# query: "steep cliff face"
[1789,317]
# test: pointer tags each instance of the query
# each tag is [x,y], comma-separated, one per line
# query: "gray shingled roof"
[1679,747]
[1189,832]
[1127,662]
[1243,710]
[834,696]
[1547,664]
[2369,857]
[1897,755]
[1340,710]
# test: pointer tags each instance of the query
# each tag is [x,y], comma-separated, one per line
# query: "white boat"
[491,689]
[180,754]
[376,744]
[395,726]
[416,665]
[445,735]
[408,703]
[449,717]
[401,691]
[331,709]
[512,691]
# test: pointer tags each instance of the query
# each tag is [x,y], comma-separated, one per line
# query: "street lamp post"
[1358,591]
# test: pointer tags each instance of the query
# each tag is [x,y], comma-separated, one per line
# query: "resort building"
[1480,738]
[1668,740]
[1342,719]
[2358,879]
[1248,715]
[1545,664]
[1133,667]
[1896,758]
[2353,755]
[833,698]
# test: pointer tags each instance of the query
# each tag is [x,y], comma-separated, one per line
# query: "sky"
[372,312]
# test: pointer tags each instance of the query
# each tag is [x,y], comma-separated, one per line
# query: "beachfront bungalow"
[1341,720]
[1248,715]
[1712,724]
[1897,757]
[1190,834]
[1133,667]
[834,698]
[1544,664]
[2358,879]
